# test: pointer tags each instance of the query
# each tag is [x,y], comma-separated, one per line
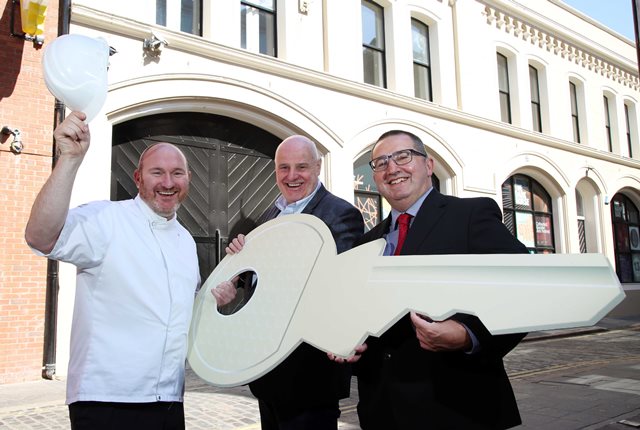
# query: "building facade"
[528,102]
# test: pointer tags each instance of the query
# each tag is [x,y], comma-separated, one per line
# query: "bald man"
[302,393]
[137,272]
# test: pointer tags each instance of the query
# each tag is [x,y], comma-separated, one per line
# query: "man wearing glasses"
[420,373]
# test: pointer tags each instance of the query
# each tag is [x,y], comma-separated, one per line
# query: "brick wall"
[25,104]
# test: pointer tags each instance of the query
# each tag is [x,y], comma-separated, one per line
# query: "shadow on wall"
[11,54]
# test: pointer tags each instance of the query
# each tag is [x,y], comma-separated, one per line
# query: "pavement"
[584,378]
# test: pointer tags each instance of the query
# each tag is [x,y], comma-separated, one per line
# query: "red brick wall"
[25,104]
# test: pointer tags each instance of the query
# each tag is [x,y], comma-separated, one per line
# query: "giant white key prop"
[308,293]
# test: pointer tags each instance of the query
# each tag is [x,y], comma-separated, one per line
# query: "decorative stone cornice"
[558,46]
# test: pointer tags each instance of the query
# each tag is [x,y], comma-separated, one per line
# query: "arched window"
[528,213]
[367,198]
[626,231]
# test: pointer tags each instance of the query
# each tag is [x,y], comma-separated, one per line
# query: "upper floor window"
[503,87]
[421,60]
[185,15]
[373,54]
[534,85]
[528,213]
[607,123]
[627,122]
[575,118]
[258,26]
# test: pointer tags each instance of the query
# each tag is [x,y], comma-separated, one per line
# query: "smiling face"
[162,178]
[402,185]
[297,168]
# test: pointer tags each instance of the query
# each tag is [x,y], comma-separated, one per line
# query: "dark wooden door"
[231,162]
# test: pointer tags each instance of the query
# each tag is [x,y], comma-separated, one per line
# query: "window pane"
[574,98]
[628,130]
[634,238]
[534,85]
[541,200]
[576,129]
[264,4]
[607,120]
[619,211]
[582,236]
[507,200]
[509,222]
[363,174]
[369,206]
[505,111]
[524,227]
[574,112]
[625,271]
[622,237]
[579,204]
[536,117]
[543,231]
[420,36]
[190,16]
[161,12]
[257,30]
[522,193]
[422,82]
[503,73]
[635,261]
[372,25]
[632,213]
[373,67]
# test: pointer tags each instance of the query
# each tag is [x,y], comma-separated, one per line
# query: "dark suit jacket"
[436,390]
[307,378]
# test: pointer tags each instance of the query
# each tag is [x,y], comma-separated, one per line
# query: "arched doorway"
[233,178]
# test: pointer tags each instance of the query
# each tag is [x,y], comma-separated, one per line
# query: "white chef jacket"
[136,280]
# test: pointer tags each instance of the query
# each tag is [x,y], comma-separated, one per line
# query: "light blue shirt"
[295,207]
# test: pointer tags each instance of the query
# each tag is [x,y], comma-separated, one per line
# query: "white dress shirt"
[136,280]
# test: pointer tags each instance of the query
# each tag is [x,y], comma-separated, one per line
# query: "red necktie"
[403,225]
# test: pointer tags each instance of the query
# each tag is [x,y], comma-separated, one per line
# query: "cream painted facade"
[315,87]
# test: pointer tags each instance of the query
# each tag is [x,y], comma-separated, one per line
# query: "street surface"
[589,381]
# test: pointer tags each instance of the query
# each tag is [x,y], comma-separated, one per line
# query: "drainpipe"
[636,24]
[51,301]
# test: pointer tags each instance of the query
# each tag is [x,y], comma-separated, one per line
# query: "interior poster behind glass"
[524,227]
[635,262]
[543,231]
[634,237]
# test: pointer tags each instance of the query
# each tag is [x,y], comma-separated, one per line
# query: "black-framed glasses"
[401,157]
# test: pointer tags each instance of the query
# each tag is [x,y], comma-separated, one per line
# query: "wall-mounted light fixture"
[32,14]
[16,145]
[303,6]
[152,46]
